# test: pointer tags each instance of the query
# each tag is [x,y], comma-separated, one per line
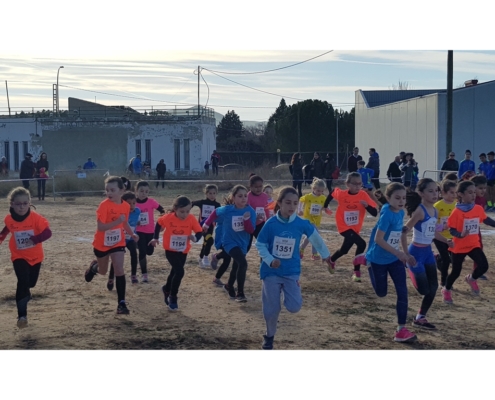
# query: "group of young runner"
[283,227]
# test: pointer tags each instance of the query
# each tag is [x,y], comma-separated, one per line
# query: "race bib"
[144,219]
[472,225]
[22,239]
[178,242]
[206,211]
[430,228]
[351,218]
[112,237]
[315,209]
[394,239]
[260,212]
[238,223]
[271,213]
[283,247]
[443,222]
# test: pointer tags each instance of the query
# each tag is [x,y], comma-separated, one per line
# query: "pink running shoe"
[473,284]
[316,257]
[447,296]
[331,266]
[405,336]
[360,259]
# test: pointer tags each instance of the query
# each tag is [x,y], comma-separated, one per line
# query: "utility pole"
[450,79]
[337,138]
[298,129]
[8,101]
[199,73]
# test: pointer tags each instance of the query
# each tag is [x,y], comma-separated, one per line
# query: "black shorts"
[101,254]
[491,182]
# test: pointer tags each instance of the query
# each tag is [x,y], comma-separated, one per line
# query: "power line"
[270,70]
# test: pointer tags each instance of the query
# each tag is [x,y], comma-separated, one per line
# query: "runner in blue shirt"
[466,165]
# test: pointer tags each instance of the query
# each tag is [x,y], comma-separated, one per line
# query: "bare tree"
[402,85]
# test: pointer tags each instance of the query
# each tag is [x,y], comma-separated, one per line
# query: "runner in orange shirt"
[109,240]
[178,227]
[349,217]
[464,224]
[29,230]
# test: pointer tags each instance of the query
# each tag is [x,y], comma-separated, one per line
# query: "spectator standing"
[161,168]
[137,166]
[4,167]
[394,173]
[215,162]
[409,169]
[207,168]
[89,164]
[329,168]
[374,164]
[353,160]
[490,182]
[296,170]
[466,165]
[318,166]
[42,174]
[450,164]
[27,170]
[484,167]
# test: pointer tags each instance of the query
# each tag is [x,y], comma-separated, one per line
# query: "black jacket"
[296,171]
[352,163]
[41,164]
[318,167]
[329,168]
[161,168]
[27,169]
[449,165]
[393,171]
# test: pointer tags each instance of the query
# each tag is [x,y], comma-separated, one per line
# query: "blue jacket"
[280,239]
[366,175]
[234,234]
[464,166]
[484,168]
[137,166]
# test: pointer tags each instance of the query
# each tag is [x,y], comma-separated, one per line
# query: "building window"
[177,154]
[147,146]
[186,154]
[16,156]
[24,149]
[138,148]
[6,152]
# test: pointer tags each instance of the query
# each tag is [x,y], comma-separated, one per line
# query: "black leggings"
[254,234]
[131,245]
[27,276]
[239,269]
[177,260]
[298,185]
[160,177]
[41,189]
[350,238]
[443,267]
[477,256]
[144,250]
[225,264]
[207,242]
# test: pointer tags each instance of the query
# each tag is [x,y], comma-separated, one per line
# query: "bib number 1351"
[283,247]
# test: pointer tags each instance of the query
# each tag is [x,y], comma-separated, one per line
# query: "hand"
[275,263]
[259,218]
[135,237]
[450,242]
[411,260]
[403,257]
[364,203]
[300,213]
[246,215]
[192,238]
[464,233]
[153,242]
[205,228]
[328,211]
[122,218]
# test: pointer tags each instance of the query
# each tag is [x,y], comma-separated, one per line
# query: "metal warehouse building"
[415,121]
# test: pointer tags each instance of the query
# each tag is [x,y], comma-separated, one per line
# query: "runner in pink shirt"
[259,200]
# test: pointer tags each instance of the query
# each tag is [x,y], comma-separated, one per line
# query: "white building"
[415,121]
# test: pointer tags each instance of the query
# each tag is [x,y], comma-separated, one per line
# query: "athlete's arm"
[4,233]
[490,222]
[41,237]
[104,227]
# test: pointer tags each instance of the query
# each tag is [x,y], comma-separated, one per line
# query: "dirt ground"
[68,313]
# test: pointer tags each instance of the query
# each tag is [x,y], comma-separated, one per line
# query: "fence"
[435,174]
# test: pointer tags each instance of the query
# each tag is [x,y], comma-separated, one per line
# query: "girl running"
[311,206]
[423,223]
[385,258]
[147,205]
[444,208]
[177,238]
[238,224]
[219,256]
[206,207]
[130,243]
[29,230]
[268,189]
[258,200]
[349,217]
[464,224]
[109,240]
[280,269]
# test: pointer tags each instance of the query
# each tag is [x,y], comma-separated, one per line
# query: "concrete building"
[416,121]
[111,136]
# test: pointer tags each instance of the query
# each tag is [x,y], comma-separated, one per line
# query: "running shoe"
[200,263]
[404,336]
[301,253]
[165,294]
[91,271]
[110,284]
[122,308]
[356,276]
[315,257]
[218,282]
[360,259]
[22,322]
[473,284]
[267,342]
[447,296]
[214,262]
[424,324]
[134,279]
[240,298]
[206,262]
[144,278]
[172,303]
[230,291]
[331,267]
[483,278]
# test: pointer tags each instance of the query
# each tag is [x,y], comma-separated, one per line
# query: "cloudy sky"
[148,56]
